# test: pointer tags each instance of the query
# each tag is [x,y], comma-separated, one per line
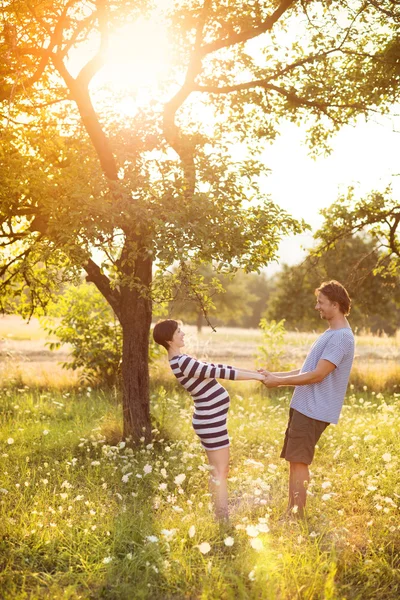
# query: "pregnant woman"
[211,404]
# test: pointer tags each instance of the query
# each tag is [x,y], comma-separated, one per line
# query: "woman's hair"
[164,330]
[336,292]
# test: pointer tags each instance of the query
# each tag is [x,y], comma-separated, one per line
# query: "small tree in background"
[272,349]
[85,321]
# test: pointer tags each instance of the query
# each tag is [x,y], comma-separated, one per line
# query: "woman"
[211,401]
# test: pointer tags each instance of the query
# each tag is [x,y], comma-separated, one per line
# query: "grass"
[85,516]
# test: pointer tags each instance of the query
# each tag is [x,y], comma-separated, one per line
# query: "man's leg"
[299,477]
[302,434]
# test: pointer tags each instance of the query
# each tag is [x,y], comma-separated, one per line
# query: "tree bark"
[136,321]
[199,321]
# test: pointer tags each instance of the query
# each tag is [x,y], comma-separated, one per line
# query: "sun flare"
[138,56]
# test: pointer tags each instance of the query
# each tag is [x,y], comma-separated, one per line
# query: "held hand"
[263,372]
[270,381]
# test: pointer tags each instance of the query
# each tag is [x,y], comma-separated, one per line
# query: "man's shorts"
[302,434]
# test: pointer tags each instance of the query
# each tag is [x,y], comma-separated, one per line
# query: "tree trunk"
[199,322]
[136,322]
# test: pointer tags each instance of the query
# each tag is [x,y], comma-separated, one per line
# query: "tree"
[85,188]
[376,300]
[378,215]
[229,299]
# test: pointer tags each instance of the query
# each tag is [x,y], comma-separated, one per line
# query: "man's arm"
[323,368]
[287,373]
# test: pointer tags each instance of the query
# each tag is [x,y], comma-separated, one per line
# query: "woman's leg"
[219,460]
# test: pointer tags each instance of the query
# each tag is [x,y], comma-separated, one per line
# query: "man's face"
[325,307]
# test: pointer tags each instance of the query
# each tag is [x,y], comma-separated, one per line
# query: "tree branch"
[394,246]
[94,65]
[291,96]
[80,94]
[248,34]
[183,146]
[102,283]
[24,254]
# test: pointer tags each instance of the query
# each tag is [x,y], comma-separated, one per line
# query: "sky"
[365,156]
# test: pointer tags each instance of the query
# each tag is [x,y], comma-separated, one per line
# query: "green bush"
[272,351]
[83,319]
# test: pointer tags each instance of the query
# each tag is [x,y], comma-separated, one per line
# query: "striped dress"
[211,400]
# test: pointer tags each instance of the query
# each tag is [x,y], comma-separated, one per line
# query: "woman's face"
[178,338]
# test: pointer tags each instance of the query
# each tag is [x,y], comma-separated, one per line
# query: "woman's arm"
[191,367]
[243,375]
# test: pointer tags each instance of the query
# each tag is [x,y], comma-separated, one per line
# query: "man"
[320,384]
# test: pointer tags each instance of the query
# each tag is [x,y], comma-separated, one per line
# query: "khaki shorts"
[301,437]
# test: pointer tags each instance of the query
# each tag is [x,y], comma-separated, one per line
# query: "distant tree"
[232,300]
[259,287]
[378,215]
[376,299]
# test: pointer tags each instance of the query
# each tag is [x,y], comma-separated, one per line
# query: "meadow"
[83,515]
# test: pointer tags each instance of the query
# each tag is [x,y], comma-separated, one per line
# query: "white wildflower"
[256,543]
[179,479]
[66,484]
[168,533]
[229,541]
[252,531]
[192,531]
[204,547]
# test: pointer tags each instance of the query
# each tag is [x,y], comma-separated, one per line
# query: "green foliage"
[195,203]
[84,320]
[272,349]
[375,299]
[233,300]
[377,215]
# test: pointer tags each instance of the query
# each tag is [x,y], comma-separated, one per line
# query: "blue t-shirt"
[324,400]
